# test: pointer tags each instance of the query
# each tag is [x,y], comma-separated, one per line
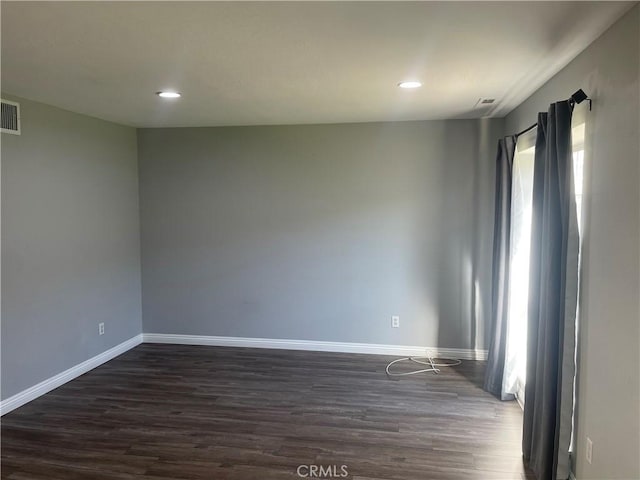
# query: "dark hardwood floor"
[188,412]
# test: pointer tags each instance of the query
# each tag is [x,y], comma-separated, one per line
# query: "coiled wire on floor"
[432,365]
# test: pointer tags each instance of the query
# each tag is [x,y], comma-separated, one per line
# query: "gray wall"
[319,232]
[70,242]
[608,395]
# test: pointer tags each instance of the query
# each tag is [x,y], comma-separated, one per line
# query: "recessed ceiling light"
[168,94]
[410,84]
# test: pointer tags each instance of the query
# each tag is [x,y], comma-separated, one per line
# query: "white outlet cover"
[589,452]
[395,321]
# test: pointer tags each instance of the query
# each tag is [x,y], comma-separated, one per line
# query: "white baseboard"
[318,346]
[49,384]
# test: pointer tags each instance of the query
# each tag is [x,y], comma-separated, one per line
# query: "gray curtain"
[552,299]
[500,275]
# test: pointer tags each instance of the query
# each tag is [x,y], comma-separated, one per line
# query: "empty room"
[369,240]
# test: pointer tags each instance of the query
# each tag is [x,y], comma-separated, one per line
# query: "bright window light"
[519,254]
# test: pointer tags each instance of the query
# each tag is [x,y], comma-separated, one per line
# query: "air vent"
[10,117]
[487,101]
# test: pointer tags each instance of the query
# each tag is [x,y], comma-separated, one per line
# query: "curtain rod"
[526,130]
[576,98]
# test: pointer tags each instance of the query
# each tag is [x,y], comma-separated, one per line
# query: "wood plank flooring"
[189,412]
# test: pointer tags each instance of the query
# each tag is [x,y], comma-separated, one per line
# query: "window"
[577,134]
[577,139]
[520,240]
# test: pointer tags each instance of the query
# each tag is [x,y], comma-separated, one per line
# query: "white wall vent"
[10,117]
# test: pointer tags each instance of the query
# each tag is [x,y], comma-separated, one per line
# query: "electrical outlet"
[589,453]
[395,321]
[101,328]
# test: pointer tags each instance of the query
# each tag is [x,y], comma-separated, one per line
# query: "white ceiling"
[250,63]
